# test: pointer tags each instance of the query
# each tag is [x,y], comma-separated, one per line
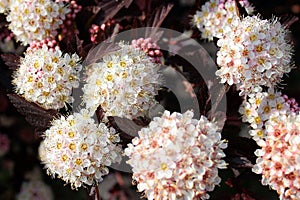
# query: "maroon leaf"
[127,128]
[240,152]
[36,116]
[288,19]
[80,50]
[93,193]
[11,60]
[241,11]
[99,51]
[111,8]
[93,9]
[99,113]
[239,162]
[159,16]
[143,5]
[73,45]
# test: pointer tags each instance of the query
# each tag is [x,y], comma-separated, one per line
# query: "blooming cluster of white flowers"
[177,157]
[254,53]
[124,83]
[78,150]
[32,20]
[279,157]
[258,108]
[216,16]
[47,77]
[35,190]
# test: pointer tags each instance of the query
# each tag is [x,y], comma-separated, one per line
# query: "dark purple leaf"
[96,53]
[143,5]
[241,11]
[159,16]
[127,128]
[99,113]
[93,193]
[241,150]
[73,45]
[288,19]
[92,9]
[111,8]
[11,60]
[36,116]
[239,162]
[80,50]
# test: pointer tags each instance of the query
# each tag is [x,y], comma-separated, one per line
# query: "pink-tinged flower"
[149,47]
[49,42]
[78,150]
[177,157]
[216,16]
[279,157]
[35,190]
[254,53]
[259,106]
[35,20]
[102,32]
[94,33]
[4,144]
[47,77]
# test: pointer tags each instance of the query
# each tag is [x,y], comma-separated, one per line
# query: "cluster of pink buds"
[149,47]
[294,107]
[49,42]
[100,33]
[68,27]
[94,32]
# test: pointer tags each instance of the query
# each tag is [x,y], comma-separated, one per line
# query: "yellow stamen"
[71,134]
[78,161]
[163,166]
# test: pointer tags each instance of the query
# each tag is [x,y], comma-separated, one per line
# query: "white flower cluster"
[254,53]
[216,16]
[78,150]
[4,5]
[279,157]
[258,108]
[32,20]
[124,83]
[47,77]
[35,190]
[177,157]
